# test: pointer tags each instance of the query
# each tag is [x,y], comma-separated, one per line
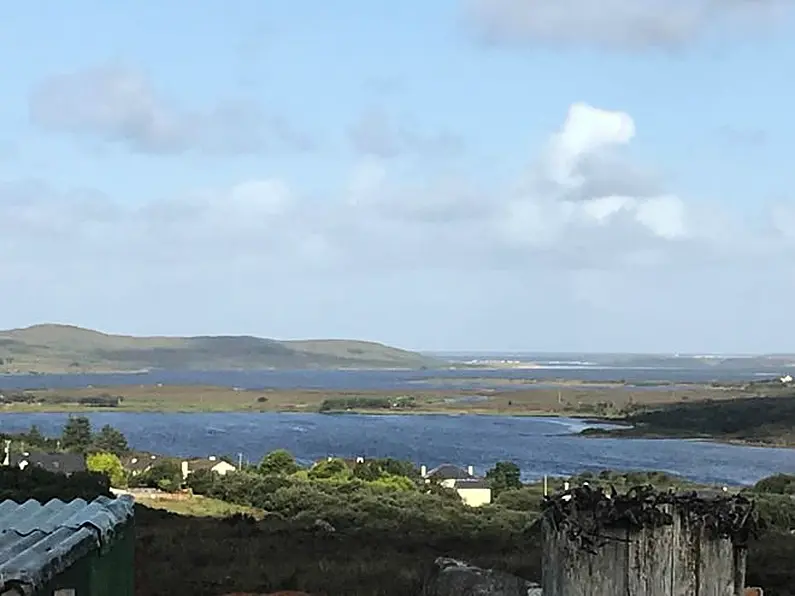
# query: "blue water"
[374,379]
[539,445]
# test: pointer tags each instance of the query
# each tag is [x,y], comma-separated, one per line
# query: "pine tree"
[111,440]
[76,435]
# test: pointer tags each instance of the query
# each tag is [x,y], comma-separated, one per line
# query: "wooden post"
[675,559]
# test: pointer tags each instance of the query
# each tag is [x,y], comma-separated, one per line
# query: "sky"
[508,175]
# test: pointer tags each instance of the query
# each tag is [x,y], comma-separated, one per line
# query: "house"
[473,491]
[212,463]
[61,548]
[138,463]
[61,463]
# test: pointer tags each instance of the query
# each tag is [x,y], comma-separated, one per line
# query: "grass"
[593,401]
[199,506]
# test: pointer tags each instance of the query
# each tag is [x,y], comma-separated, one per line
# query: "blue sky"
[462,174]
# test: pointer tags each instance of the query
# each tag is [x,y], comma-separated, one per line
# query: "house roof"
[449,472]
[138,462]
[37,542]
[471,483]
[206,463]
[64,463]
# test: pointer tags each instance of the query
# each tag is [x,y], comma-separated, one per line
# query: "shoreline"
[597,434]
[593,407]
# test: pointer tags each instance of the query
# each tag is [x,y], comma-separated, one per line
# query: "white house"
[473,491]
[212,463]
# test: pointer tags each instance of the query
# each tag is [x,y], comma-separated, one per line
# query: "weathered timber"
[645,543]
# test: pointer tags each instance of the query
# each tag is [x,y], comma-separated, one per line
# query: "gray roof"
[63,463]
[472,483]
[37,542]
[449,472]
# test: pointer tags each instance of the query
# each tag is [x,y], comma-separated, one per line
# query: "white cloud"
[255,256]
[118,104]
[618,24]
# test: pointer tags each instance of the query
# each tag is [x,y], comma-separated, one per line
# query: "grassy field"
[567,399]
[199,506]
[69,349]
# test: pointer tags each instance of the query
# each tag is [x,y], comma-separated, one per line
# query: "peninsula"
[49,349]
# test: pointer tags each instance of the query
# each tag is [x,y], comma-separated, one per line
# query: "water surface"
[539,445]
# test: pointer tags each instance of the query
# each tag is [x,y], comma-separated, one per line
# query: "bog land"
[761,413]
[565,399]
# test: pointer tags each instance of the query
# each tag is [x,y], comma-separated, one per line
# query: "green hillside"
[65,348]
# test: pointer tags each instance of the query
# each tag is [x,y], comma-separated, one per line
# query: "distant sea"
[381,379]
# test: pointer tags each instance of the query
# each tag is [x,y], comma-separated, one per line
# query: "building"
[67,549]
[212,463]
[474,491]
[138,463]
[62,463]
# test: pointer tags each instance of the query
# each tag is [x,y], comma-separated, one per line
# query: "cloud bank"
[118,104]
[619,24]
[583,227]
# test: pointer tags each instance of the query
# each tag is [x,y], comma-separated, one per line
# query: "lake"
[377,379]
[538,445]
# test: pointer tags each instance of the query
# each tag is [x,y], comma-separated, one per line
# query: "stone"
[457,578]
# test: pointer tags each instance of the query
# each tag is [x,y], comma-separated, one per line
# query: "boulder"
[456,578]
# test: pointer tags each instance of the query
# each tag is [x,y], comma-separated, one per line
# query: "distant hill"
[66,348]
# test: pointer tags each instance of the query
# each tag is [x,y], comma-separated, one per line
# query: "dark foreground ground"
[208,557]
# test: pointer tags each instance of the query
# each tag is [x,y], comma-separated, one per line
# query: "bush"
[521,499]
[164,475]
[278,462]
[782,484]
[202,482]
[110,465]
[43,485]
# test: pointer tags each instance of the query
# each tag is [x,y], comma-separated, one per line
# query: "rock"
[323,526]
[456,578]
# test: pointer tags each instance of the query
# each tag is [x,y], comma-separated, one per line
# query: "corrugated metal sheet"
[38,541]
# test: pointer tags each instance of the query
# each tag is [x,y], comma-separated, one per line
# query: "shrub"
[43,485]
[110,465]
[782,484]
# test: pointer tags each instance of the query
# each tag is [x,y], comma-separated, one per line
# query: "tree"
[202,481]
[76,435]
[369,470]
[164,475]
[505,475]
[35,437]
[111,440]
[280,461]
[397,467]
[110,465]
[331,469]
